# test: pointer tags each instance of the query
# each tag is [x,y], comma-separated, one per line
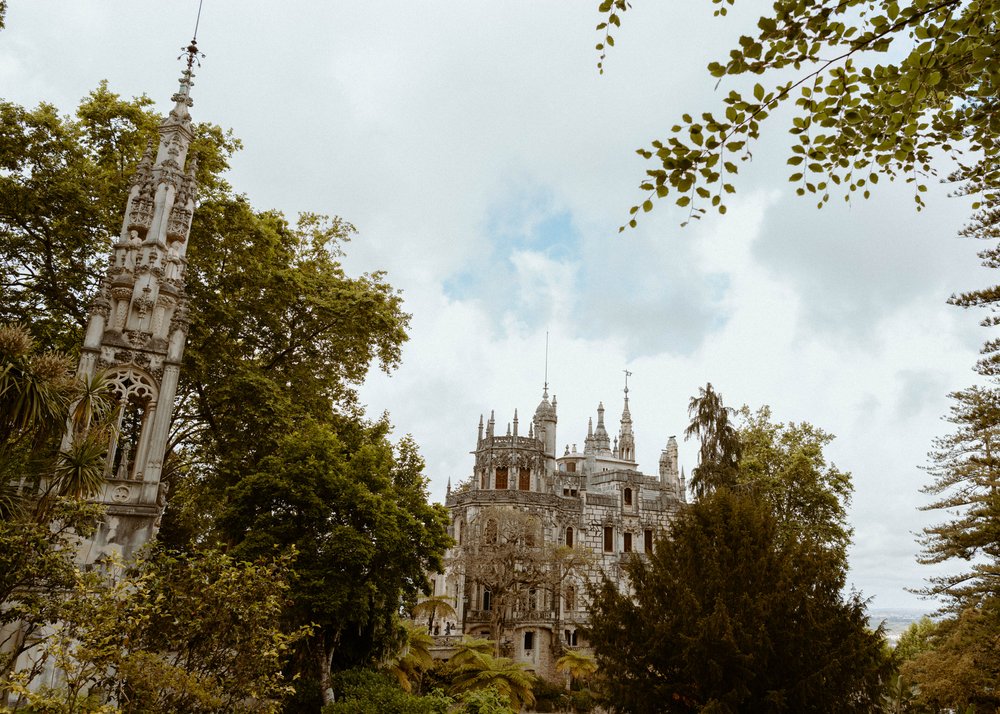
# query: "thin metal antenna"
[545,388]
[197,20]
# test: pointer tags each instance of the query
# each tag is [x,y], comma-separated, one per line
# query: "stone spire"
[626,439]
[545,421]
[668,466]
[602,440]
[137,329]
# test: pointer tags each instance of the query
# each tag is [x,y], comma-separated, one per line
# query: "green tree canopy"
[783,465]
[719,452]
[727,616]
[874,87]
[269,452]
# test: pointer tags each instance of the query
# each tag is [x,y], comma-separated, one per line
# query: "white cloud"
[488,167]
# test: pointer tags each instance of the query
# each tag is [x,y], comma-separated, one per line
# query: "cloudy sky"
[487,167]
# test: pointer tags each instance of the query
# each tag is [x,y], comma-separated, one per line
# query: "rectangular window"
[524,479]
[571,467]
[529,641]
[501,478]
[627,546]
[609,539]
[647,540]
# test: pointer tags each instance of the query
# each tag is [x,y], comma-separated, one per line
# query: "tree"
[279,340]
[726,615]
[878,88]
[430,606]
[172,634]
[355,513]
[965,466]
[505,554]
[413,657]
[783,466]
[719,453]
[501,674]
[362,691]
[577,665]
[960,668]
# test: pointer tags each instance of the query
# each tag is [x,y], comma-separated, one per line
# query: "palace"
[590,510]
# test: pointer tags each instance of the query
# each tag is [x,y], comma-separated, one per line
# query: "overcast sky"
[487,167]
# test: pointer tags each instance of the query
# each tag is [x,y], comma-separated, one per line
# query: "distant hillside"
[896,619]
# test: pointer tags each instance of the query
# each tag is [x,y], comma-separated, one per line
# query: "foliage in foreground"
[727,616]
[269,452]
[174,634]
[876,88]
[957,663]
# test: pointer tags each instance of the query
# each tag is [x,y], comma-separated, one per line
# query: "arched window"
[628,497]
[487,600]
[570,598]
[137,401]
[569,536]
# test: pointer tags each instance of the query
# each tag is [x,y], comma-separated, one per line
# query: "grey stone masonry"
[137,330]
[595,502]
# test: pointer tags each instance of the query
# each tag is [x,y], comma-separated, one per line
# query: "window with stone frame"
[487,600]
[628,497]
[571,467]
[569,599]
[609,539]
[529,640]
[524,479]
[627,543]
[501,482]
[647,540]
[569,536]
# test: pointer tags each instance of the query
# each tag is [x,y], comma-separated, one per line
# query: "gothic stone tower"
[137,330]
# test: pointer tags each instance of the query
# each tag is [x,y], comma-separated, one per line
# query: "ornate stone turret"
[626,439]
[545,421]
[669,474]
[602,440]
[137,330]
[509,463]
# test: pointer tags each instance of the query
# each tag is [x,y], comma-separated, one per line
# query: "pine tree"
[727,616]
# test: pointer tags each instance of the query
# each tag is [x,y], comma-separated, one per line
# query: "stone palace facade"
[595,501]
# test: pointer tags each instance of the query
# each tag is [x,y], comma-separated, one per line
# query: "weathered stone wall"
[588,501]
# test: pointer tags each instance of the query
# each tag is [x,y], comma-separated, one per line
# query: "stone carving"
[120,494]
